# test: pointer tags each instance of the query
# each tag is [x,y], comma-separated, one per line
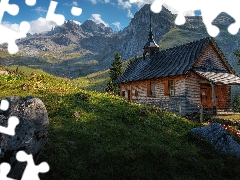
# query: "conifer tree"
[237,54]
[116,71]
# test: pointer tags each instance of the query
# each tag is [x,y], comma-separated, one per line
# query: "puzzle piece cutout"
[12,9]
[30,2]
[12,121]
[10,36]
[51,16]
[4,170]
[4,105]
[7,35]
[210,9]
[76,11]
[31,171]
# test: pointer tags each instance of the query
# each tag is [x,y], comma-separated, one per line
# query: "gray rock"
[31,133]
[219,138]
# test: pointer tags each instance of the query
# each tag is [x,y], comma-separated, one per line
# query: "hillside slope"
[100,136]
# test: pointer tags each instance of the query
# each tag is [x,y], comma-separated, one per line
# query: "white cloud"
[124,4]
[117,25]
[37,26]
[94,1]
[129,14]
[100,1]
[40,9]
[77,22]
[74,3]
[97,19]
[41,25]
[14,27]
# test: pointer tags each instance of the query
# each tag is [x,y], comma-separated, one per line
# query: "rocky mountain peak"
[95,29]
[71,24]
[141,20]
[79,50]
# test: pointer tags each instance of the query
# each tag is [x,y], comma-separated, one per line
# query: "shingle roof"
[170,62]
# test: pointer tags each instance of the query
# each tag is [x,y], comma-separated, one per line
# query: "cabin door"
[206,96]
[129,95]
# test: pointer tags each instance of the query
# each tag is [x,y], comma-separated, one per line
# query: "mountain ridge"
[74,50]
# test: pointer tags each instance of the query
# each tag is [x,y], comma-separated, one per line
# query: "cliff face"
[73,50]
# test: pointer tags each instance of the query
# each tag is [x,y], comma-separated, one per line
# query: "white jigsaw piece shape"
[12,9]
[210,9]
[31,171]
[12,121]
[76,11]
[4,170]
[7,35]
[30,2]
[51,16]
[10,36]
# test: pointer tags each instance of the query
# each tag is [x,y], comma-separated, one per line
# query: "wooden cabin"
[186,76]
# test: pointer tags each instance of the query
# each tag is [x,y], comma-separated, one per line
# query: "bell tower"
[151,47]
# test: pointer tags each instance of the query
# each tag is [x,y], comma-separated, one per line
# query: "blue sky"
[113,13]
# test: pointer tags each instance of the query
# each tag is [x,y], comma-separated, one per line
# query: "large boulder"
[219,138]
[31,133]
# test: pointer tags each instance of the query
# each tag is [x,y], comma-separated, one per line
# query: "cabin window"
[151,89]
[123,93]
[172,87]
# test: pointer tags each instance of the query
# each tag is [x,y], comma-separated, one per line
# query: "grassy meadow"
[100,136]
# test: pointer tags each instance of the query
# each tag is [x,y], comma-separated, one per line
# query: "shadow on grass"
[96,136]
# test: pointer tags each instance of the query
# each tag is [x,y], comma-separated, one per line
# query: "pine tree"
[236,103]
[116,71]
[237,54]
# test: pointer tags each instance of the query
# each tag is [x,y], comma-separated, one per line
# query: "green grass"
[25,70]
[229,116]
[94,82]
[176,37]
[100,136]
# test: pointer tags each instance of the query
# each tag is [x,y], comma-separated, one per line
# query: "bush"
[236,103]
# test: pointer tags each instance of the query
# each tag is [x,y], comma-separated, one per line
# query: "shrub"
[236,103]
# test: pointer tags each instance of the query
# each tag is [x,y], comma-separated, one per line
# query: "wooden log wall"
[160,99]
[193,91]
[223,93]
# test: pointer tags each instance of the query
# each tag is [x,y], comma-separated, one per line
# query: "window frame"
[150,87]
[172,84]
[153,89]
